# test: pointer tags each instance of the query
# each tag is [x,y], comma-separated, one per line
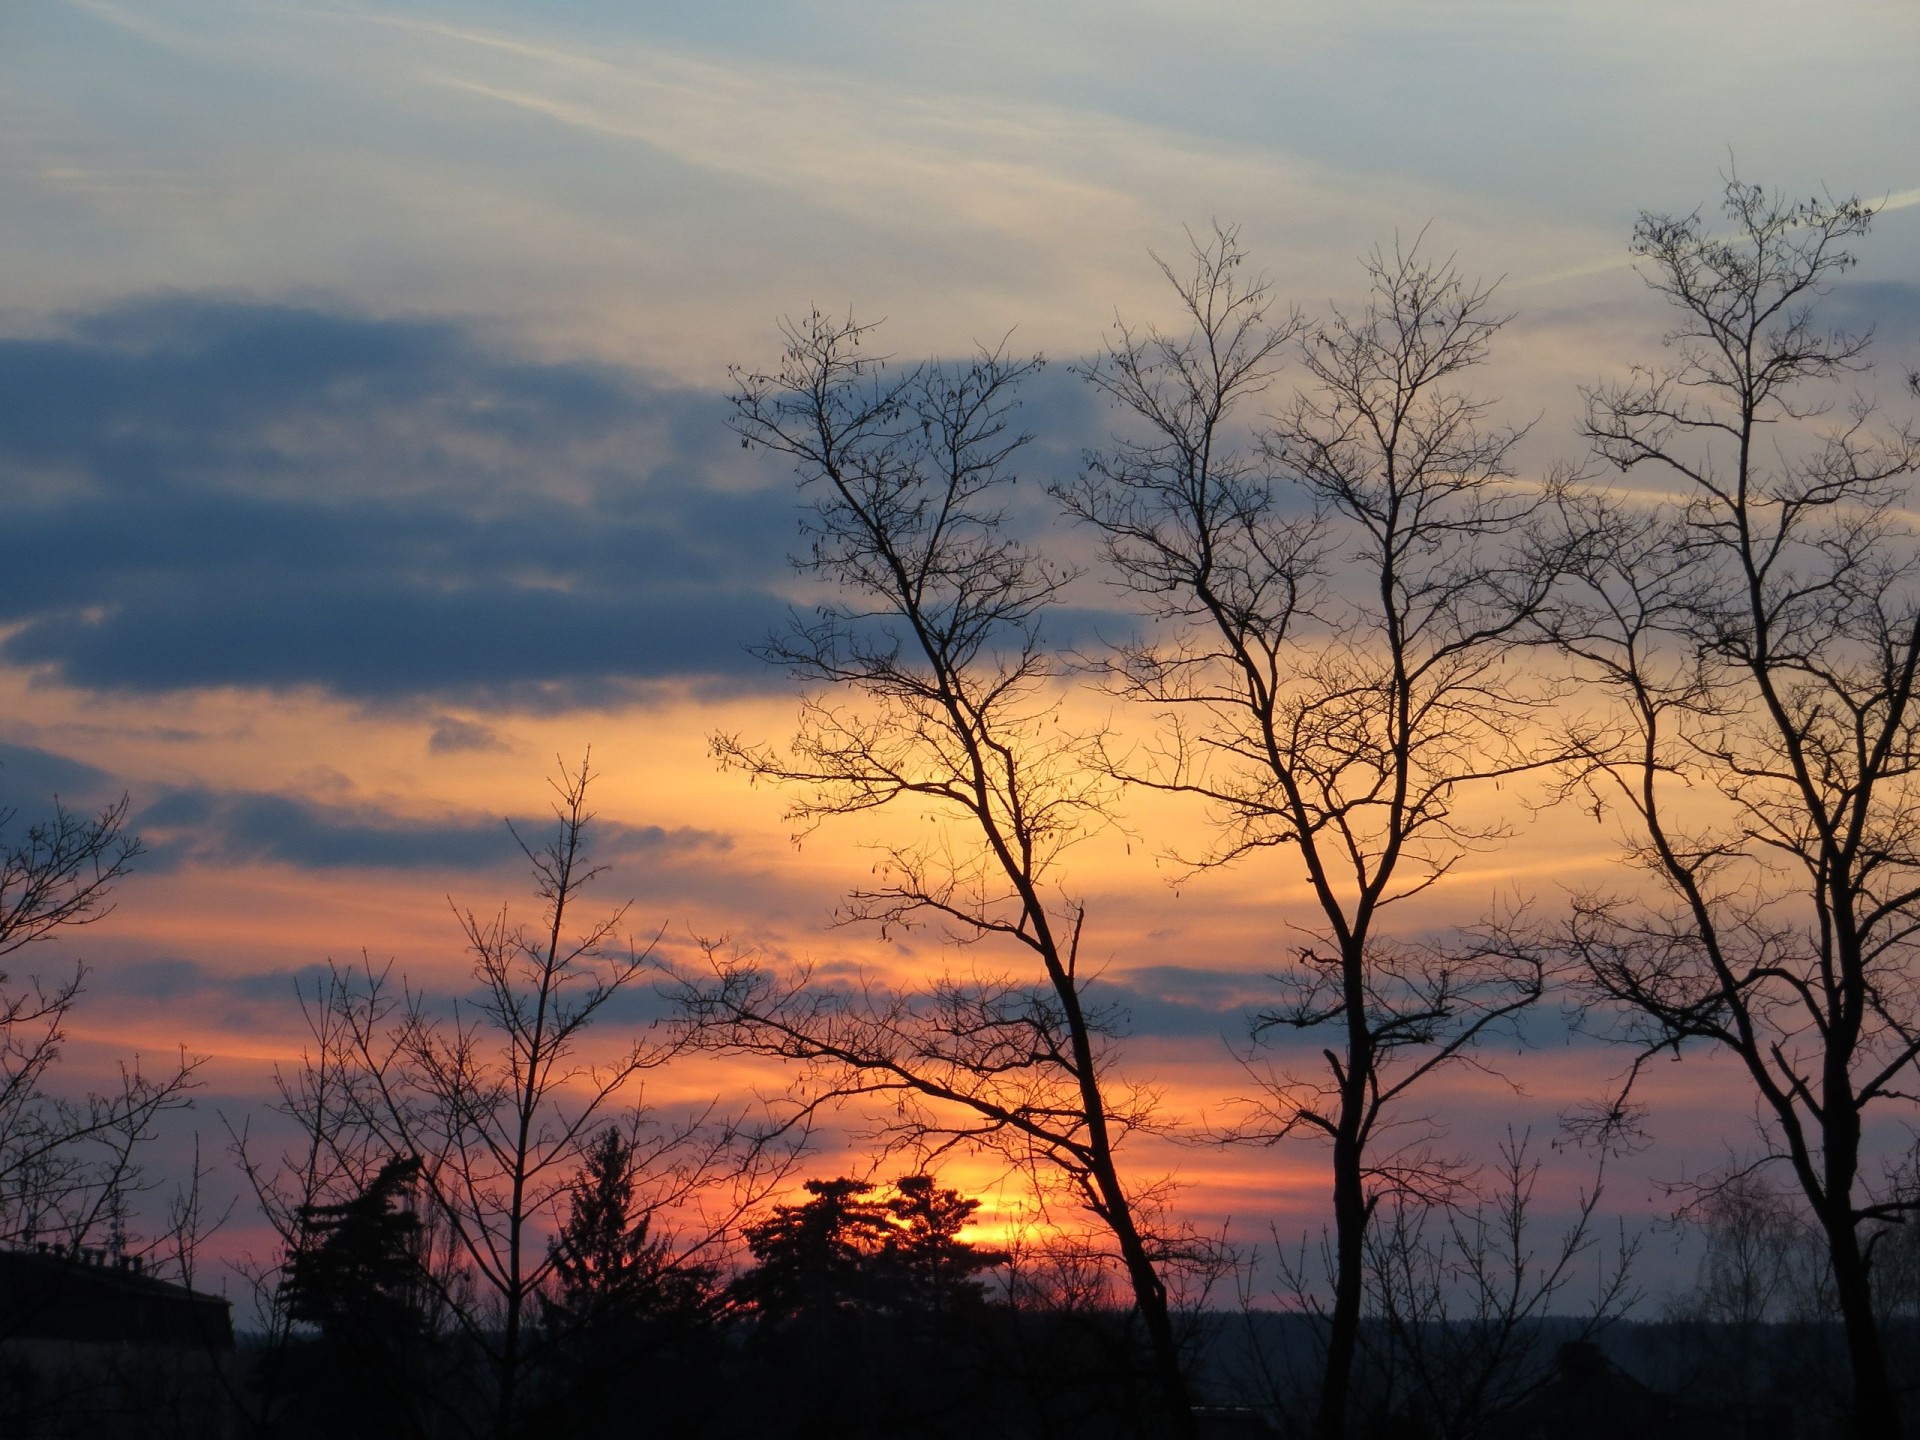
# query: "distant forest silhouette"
[1360,622]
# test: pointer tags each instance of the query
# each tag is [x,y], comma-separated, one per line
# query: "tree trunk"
[1876,1415]
[509,1371]
[1150,1294]
[1343,1341]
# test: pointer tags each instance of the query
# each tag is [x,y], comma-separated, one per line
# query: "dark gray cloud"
[249,827]
[32,779]
[169,977]
[209,492]
[249,1000]
[29,772]
[1180,1000]
[452,736]
[1155,1015]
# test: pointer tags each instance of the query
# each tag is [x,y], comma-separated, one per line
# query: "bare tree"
[62,872]
[1756,1324]
[499,1098]
[1339,601]
[1757,629]
[1896,1278]
[1460,1293]
[330,1159]
[1754,1269]
[935,691]
[67,1167]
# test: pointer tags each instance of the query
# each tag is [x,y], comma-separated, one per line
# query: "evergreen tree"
[863,1301]
[845,1249]
[935,1271]
[358,1273]
[815,1258]
[356,1269]
[622,1314]
[610,1272]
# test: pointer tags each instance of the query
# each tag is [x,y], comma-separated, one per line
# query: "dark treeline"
[1360,624]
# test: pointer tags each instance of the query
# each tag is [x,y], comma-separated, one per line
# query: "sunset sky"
[362,442]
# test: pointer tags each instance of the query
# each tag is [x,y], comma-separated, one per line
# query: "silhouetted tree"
[1755,1270]
[496,1100]
[68,1166]
[868,1315]
[331,1161]
[501,1102]
[936,1272]
[622,1303]
[369,1273]
[815,1259]
[356,1271]
[1759,1294]
[1340,598]
[1759,635]
[61,872]
[609,1271]
[846,1249]
[1463,1301]
[936,691]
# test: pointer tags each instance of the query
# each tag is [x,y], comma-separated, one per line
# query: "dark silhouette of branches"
[932,687]
[62,872]
[67,1166]
[499,1100]
[1339,601]
[1758,632]
[1460,1295]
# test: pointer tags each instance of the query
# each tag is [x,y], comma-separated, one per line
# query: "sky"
[363,447]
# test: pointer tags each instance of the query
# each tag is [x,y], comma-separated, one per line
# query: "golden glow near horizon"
[1200,943]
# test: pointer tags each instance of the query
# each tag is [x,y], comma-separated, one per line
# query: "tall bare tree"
[1339,595]
[934,692]
[1757,627]
[500,1097]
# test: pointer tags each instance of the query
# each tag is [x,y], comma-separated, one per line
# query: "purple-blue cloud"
[209,492]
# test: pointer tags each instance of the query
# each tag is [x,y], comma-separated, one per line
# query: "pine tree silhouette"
[815,1258]
[622,1306]
[934,1272]
[356,1269]
[610,1271]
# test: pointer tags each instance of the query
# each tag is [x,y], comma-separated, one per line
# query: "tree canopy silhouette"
[815,1258]
[849,1248]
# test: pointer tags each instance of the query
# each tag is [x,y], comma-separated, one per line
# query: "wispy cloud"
[1894,200]
[738,186]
